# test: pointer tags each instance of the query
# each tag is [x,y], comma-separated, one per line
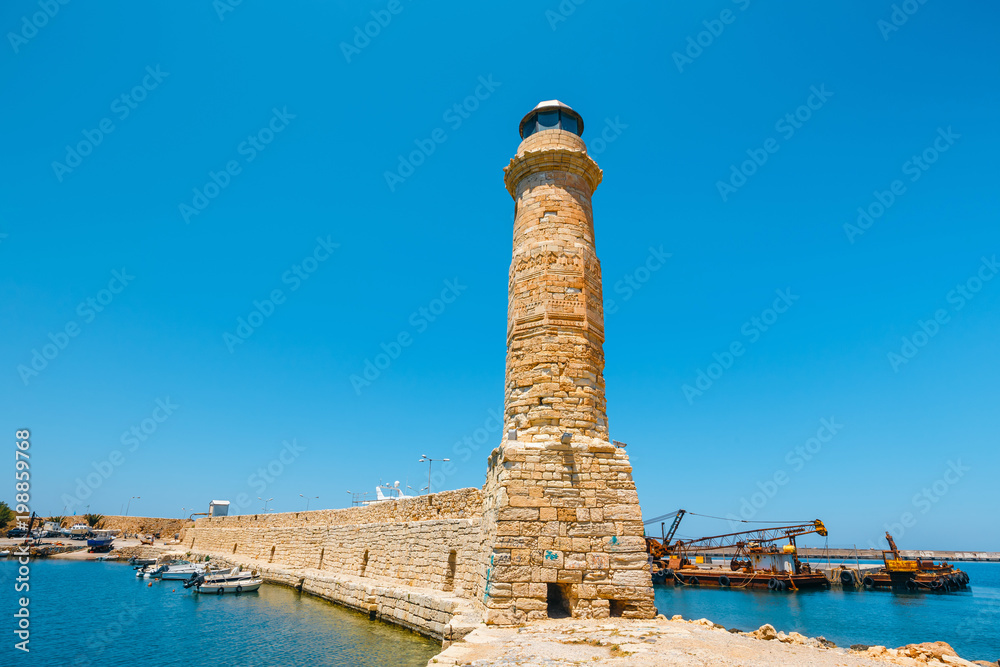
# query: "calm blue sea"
[94,613]
[100,614]
[968,620]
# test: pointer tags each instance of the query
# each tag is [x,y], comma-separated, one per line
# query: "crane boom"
[760,535]
[662,517]
[673,527]
[892,545]
[668,535]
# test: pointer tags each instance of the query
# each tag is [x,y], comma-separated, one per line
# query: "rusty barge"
[918,575]
[758,561]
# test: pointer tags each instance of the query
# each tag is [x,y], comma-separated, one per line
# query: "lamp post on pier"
[430,462]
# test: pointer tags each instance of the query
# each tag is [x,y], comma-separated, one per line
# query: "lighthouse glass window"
[569,124]
[548,120]
[529,127]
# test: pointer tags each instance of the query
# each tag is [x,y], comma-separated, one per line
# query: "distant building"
[218,508]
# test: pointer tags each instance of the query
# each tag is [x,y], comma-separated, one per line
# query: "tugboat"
[757,561]
[918,575]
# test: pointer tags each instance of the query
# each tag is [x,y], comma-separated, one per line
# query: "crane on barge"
[902,574]
[755,553]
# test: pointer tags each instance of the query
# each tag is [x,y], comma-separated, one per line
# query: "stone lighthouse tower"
[562,526]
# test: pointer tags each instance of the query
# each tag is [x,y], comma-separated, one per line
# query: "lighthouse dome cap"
[551,105]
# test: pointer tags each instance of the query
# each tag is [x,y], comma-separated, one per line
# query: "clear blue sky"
[299,119]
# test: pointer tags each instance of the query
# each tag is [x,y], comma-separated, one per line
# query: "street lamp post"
[130,503]
[430,462]
[308,499]
[265,502]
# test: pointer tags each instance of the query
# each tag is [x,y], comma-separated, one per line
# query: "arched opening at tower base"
[558,601]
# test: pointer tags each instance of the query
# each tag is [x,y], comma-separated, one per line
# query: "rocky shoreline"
[661,642]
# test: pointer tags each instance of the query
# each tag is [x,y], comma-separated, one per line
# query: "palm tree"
[92,519]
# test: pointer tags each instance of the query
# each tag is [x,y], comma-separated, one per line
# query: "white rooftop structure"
[218,508]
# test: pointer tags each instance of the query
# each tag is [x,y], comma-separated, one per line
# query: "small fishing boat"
[150,571]
[234,580]
[101,539]
[247,585]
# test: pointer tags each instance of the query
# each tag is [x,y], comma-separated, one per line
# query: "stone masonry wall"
[568,516]
[555,317]
[437,614]
[428,541]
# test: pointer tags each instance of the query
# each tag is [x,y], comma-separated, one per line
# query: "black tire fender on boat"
[772,584]
[937,584]
[868,582]
[239,589]
[221,590]
[911,585]
[693,581]
[847,578]
[724,581]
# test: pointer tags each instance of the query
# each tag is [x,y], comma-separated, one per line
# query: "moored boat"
[150,571]
[915,576]
[757,561]
[183,570]
[234,580]
[247,585]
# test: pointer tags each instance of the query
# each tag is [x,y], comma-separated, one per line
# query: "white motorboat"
[220,578]
[150,571]
[183,569]
[243,585]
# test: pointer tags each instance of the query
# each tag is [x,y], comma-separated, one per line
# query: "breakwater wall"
[431,612]
[134,524]
[414,561]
